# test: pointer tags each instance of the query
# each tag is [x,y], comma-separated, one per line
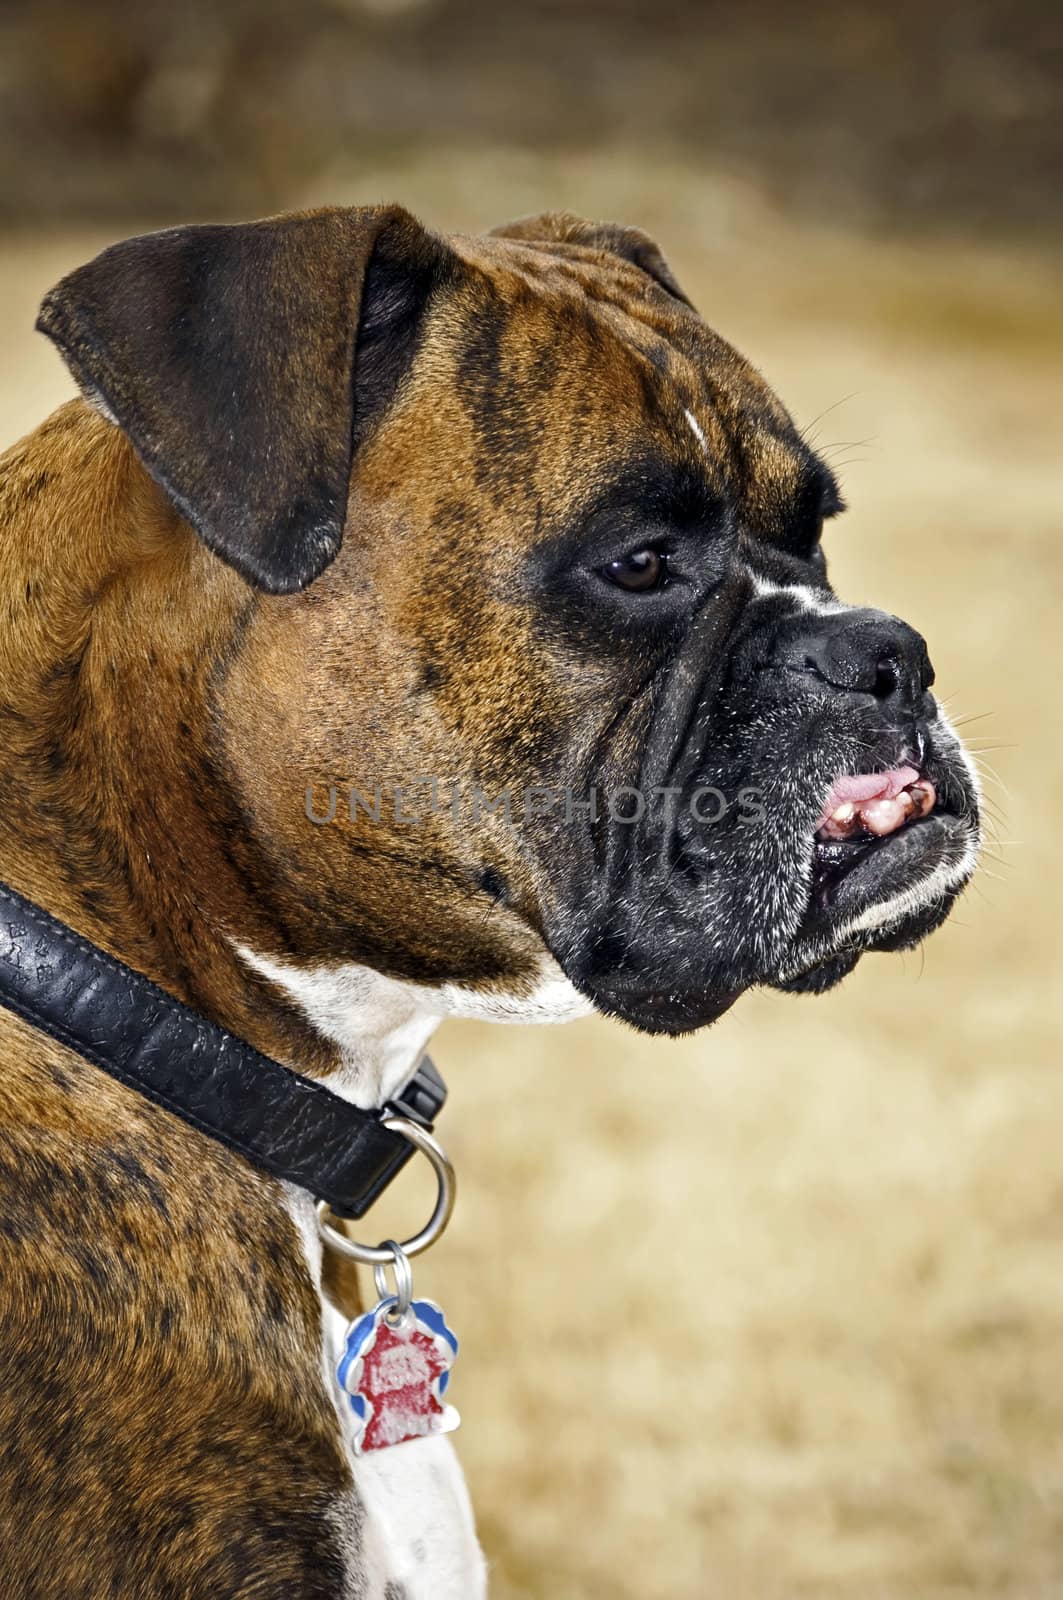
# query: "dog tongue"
[875,802]
[859,786]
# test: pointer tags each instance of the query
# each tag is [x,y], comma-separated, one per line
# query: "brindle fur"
[164,1426]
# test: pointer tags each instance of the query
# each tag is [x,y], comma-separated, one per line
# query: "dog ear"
[246,363]
[630,244]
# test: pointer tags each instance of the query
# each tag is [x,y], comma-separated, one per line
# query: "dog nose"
[863,652]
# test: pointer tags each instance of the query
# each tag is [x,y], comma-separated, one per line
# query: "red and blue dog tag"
[395,1371]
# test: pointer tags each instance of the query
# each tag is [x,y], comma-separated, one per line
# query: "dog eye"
[640,572]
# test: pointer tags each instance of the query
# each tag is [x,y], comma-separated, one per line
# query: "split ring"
[403,1281]
[384,1255]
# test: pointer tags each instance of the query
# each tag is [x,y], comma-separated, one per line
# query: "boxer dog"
[350,506]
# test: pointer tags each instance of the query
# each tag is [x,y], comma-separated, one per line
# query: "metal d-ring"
[383,1255]
[403,1281]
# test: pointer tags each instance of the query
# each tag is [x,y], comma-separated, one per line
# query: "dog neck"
[118,819]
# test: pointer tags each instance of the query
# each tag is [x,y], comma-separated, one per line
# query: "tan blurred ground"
[778,1311]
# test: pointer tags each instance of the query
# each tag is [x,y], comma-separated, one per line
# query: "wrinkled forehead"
[563,367]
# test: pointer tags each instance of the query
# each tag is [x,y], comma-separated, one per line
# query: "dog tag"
[395,1374]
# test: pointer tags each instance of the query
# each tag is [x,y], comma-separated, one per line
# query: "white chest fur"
[416,1537]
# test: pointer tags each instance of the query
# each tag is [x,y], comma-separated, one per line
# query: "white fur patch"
[696,429]
[378,1025]
[98,403]
[416,1523]
[415,1497]
[418,1529]
[382,1025]
[804,597]
[551,998]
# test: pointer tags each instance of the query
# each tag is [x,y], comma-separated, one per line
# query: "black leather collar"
[290,1126]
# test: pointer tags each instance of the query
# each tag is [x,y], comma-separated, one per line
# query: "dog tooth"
[923,796]
[881,817]
[842,823]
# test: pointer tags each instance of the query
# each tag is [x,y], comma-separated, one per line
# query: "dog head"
[534,614]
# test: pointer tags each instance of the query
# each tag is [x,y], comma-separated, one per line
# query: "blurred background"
[776,1311]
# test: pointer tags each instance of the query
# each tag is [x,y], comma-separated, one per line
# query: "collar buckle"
[422,1099]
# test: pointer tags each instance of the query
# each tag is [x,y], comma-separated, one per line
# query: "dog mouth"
[862,816]
[890,850]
